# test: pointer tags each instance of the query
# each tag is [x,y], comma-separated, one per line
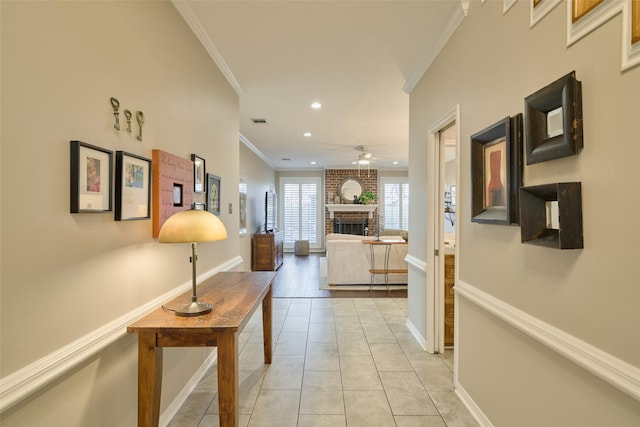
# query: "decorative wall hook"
[116,105]
[140,120]
[127,114]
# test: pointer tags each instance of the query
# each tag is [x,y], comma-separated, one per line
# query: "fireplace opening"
[350,226]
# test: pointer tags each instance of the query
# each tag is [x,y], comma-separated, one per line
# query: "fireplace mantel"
[351,208]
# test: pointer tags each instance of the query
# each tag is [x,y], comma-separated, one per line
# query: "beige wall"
[260,178]
[65,276]
[488,67]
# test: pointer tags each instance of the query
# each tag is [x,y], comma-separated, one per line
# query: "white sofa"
[348,260]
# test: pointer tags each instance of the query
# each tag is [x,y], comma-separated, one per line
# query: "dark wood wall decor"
[560,101]
[534,218]
[496,172]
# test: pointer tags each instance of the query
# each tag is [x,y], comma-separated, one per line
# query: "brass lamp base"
[195,308]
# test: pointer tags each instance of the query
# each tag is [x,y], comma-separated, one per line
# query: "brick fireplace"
[333,178]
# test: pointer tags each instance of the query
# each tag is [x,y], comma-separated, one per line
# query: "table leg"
[228,379]
[267,310]
[149,380]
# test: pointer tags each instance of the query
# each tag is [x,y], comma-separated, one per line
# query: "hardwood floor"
[298,278]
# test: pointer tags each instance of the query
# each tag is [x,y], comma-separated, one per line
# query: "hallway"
[340,358]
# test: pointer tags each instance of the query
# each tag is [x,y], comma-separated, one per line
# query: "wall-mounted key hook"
[116,105]
[140,120]
[127,114]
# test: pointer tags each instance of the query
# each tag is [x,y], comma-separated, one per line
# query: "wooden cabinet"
[449,281]
[268,251]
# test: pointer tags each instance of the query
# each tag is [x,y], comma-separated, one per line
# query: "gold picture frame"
[580,8]
[635,21]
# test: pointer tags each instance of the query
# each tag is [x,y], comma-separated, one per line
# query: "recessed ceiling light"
[395,162]
[354,163]
[313,163]
[316,105]
[307,134]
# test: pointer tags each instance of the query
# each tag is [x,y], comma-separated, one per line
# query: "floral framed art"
[133,187]
[90,178]
[199,174]
[496,172]
[213,193]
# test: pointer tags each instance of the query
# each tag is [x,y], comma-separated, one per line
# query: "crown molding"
[194,23]
[456,19]
[255,150]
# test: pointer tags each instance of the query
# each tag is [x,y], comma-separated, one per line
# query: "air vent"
[259,121]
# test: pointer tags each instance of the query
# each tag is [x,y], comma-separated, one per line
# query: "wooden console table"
[385,269]
[235,296]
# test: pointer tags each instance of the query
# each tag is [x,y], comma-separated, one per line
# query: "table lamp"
[192,226]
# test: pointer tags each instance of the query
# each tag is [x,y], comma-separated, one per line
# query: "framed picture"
[635,22]
[243,207]
[199,174]
[213,193]
[199,206]
[133,187]
[496,171]
[553,120]
[580,8]
[177,195]
[91,169]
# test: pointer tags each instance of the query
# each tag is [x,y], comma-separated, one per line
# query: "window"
[395,203]
[300,209]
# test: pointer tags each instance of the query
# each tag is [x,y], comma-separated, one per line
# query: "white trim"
[430,56]
[630,53]
[607,367]
[508,4]
[192,20]
[174,407]
[417,335]
[471,405]
[540,11]
[416,263]
[20,384]
[255,150]
[592,20]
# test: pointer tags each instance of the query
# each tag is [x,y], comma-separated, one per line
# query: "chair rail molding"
[607,367]
[416,263]
[23,382]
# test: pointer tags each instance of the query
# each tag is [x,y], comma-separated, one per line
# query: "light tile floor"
[336,362]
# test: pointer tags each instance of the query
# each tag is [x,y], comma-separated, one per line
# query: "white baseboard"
[174,407]
[416,334]
[618,373]
[471,405]
[25,381]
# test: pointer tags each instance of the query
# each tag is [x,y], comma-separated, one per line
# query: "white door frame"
[435,229]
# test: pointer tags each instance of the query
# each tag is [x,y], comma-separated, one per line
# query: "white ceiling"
[354,57]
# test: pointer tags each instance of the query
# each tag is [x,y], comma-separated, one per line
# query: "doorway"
[443,196]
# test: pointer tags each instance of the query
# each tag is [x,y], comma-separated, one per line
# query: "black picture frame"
[91,178]
[544,139]
[496,172]
[178,195]
[536,225]
[213,193]
[133,187]
[199,174]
